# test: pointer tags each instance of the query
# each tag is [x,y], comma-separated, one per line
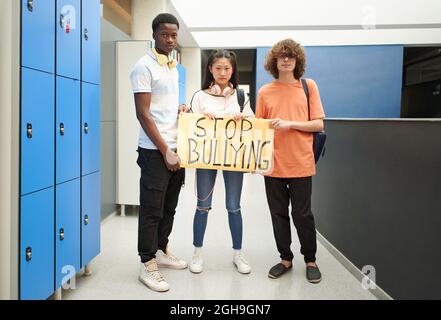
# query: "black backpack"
[240,98]
[319,138]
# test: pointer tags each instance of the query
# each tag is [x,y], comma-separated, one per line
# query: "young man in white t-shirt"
[155,86]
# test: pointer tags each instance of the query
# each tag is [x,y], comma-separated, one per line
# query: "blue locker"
[67,130]
[37,130]
[68,25]
[181,80]
[67,231]
[91,46]
[90,130]
[38,34]
[37,245]
[90,217]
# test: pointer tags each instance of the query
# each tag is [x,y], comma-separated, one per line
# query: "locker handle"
[61,234]
[28,254]
[29,130]
[86,128]
[31,5]
[86,34]
[62,129]
[86,219]
[62,21]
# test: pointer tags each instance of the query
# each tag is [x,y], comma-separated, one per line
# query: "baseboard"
[377,292]
[109,217]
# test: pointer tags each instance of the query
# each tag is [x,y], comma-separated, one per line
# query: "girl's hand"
[209,115]
[239,116]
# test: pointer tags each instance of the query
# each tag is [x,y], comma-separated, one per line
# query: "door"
[67,231]
[91,41]
[90,128]
[67,130]
[90,217]
[37,130]
[68,26]
[37,245]
[38,34]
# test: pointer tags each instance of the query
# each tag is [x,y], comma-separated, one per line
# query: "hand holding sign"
[280,124]
[224,143]
[172,160]
[209,115]
[183,108]
[239,116]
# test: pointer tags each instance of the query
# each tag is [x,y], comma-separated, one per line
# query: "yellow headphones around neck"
[163,60]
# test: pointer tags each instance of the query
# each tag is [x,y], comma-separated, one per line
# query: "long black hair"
[219,54]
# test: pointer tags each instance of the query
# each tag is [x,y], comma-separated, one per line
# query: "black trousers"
[279,192]
[159,193]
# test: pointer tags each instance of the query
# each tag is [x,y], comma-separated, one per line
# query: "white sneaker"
[167,260]
[151,277]
[196,264]
[241,264]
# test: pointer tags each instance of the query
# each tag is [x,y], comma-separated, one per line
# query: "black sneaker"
[313,274]
[278,270]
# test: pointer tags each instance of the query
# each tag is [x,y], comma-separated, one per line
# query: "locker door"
[67,231]
[181,81]
[38,34]
[90,217]
[91,10]
[37,130]
[37,245]
[90,128]
[68,26]
[68,129]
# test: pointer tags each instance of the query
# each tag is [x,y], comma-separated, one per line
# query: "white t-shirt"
[149,76]
[203,102]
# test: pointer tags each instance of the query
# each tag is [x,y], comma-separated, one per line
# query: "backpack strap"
[305,88]
[240,98]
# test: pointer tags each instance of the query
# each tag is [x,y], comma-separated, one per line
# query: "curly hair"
[286,48]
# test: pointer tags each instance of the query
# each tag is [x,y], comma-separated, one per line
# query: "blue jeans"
[233,190]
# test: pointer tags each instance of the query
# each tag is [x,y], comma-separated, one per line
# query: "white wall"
[5,146]
[143,13]
[127,130]
[9,112]
[266,38]
[109,35]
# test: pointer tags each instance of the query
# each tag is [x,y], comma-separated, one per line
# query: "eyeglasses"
[286,57]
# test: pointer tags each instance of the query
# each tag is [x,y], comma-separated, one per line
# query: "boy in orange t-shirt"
[285,103]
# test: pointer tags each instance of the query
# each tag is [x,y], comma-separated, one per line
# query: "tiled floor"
[115,270]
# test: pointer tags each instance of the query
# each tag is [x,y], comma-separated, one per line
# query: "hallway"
[115,270]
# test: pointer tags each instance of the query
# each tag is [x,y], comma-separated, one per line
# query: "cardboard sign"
[225,144]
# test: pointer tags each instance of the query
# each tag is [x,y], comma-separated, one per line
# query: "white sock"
[197,250]
[237,252]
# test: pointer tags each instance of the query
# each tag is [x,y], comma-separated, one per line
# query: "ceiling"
[255,23]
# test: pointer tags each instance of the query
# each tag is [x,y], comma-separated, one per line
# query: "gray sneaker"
[313,274]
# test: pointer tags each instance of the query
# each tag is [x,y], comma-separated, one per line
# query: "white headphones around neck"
[216,90]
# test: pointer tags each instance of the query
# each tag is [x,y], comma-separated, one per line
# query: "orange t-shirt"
[293,155]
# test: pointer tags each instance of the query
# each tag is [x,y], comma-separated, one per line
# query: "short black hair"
[164,18]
